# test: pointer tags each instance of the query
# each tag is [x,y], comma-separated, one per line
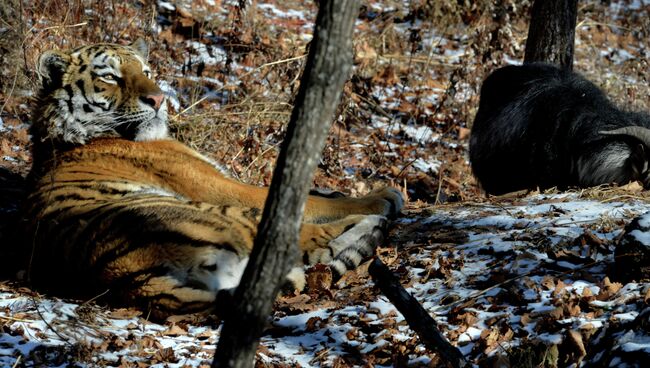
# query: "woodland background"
[231,72]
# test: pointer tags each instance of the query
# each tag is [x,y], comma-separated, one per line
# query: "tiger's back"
[118,206]
[109,218]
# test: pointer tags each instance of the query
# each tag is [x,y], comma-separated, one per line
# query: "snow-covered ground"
[501,277]
[495,276]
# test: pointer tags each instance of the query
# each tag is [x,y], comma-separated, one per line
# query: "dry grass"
[235,109]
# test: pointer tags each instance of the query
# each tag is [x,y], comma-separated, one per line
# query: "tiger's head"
[100,90]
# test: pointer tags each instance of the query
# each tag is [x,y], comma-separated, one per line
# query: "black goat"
[540,126]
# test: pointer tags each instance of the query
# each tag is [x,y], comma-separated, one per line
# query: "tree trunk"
[551,34]
[328,65]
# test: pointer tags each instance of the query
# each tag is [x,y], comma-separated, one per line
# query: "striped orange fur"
[117,205]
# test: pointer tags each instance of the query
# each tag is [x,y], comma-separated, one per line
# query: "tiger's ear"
[51,66]
[140,45]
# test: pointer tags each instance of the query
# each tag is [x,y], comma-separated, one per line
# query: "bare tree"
[328,66]
[551,35]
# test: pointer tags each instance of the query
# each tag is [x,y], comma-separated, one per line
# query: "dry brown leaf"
[557,313]
[168,36]
[575,348]
[548,283]
[387,76]
[463,133]
[319,279]
[351,334]
[572,309]
[313,324]
[340,363]
[633,187]
[365,53]
[165,355]
[124,313]
[569,256]
[489,339]
[608,289]
[175,330]
[560,288]
[148,341]
[5,149]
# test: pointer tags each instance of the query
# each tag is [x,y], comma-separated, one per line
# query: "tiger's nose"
[154,100]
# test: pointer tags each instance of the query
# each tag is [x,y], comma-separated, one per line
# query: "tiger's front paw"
[386,202]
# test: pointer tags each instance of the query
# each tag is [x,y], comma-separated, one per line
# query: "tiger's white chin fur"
[153,130]
[156,128]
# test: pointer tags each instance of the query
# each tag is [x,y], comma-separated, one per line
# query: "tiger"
[118,207]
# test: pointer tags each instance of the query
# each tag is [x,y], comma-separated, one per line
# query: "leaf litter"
[510,281]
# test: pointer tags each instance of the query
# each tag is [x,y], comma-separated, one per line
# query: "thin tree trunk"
[328,66]
[551,35]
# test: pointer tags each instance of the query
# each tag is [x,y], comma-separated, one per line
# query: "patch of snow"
[270,8]
[642,237]
[171,94]
[166,5]
[208,54]
[510,60]
[634,341]
[299,321]
[644,220]
[422,134]
[430,167]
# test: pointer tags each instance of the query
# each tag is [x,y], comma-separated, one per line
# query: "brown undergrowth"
[232,74]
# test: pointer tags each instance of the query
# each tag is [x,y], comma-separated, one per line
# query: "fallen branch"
[418,319]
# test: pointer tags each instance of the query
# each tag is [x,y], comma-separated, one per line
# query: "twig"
[463,302]
[585,23]
[622,196]
[17,362]
[95,297]
[61,26]
[437,201]
[261,155]
[320,355]
[63,338]
[11,92]
[124,30]
[418,319]
[7,318]
[232,163]
[240,78]
[408,164]
[257,112]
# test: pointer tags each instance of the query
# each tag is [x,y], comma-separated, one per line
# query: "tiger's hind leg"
[341,244]
[174,257]
[356,244]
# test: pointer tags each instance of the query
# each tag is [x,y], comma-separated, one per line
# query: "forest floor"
[521,280]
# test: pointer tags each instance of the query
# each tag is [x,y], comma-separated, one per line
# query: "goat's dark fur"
[540,126]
